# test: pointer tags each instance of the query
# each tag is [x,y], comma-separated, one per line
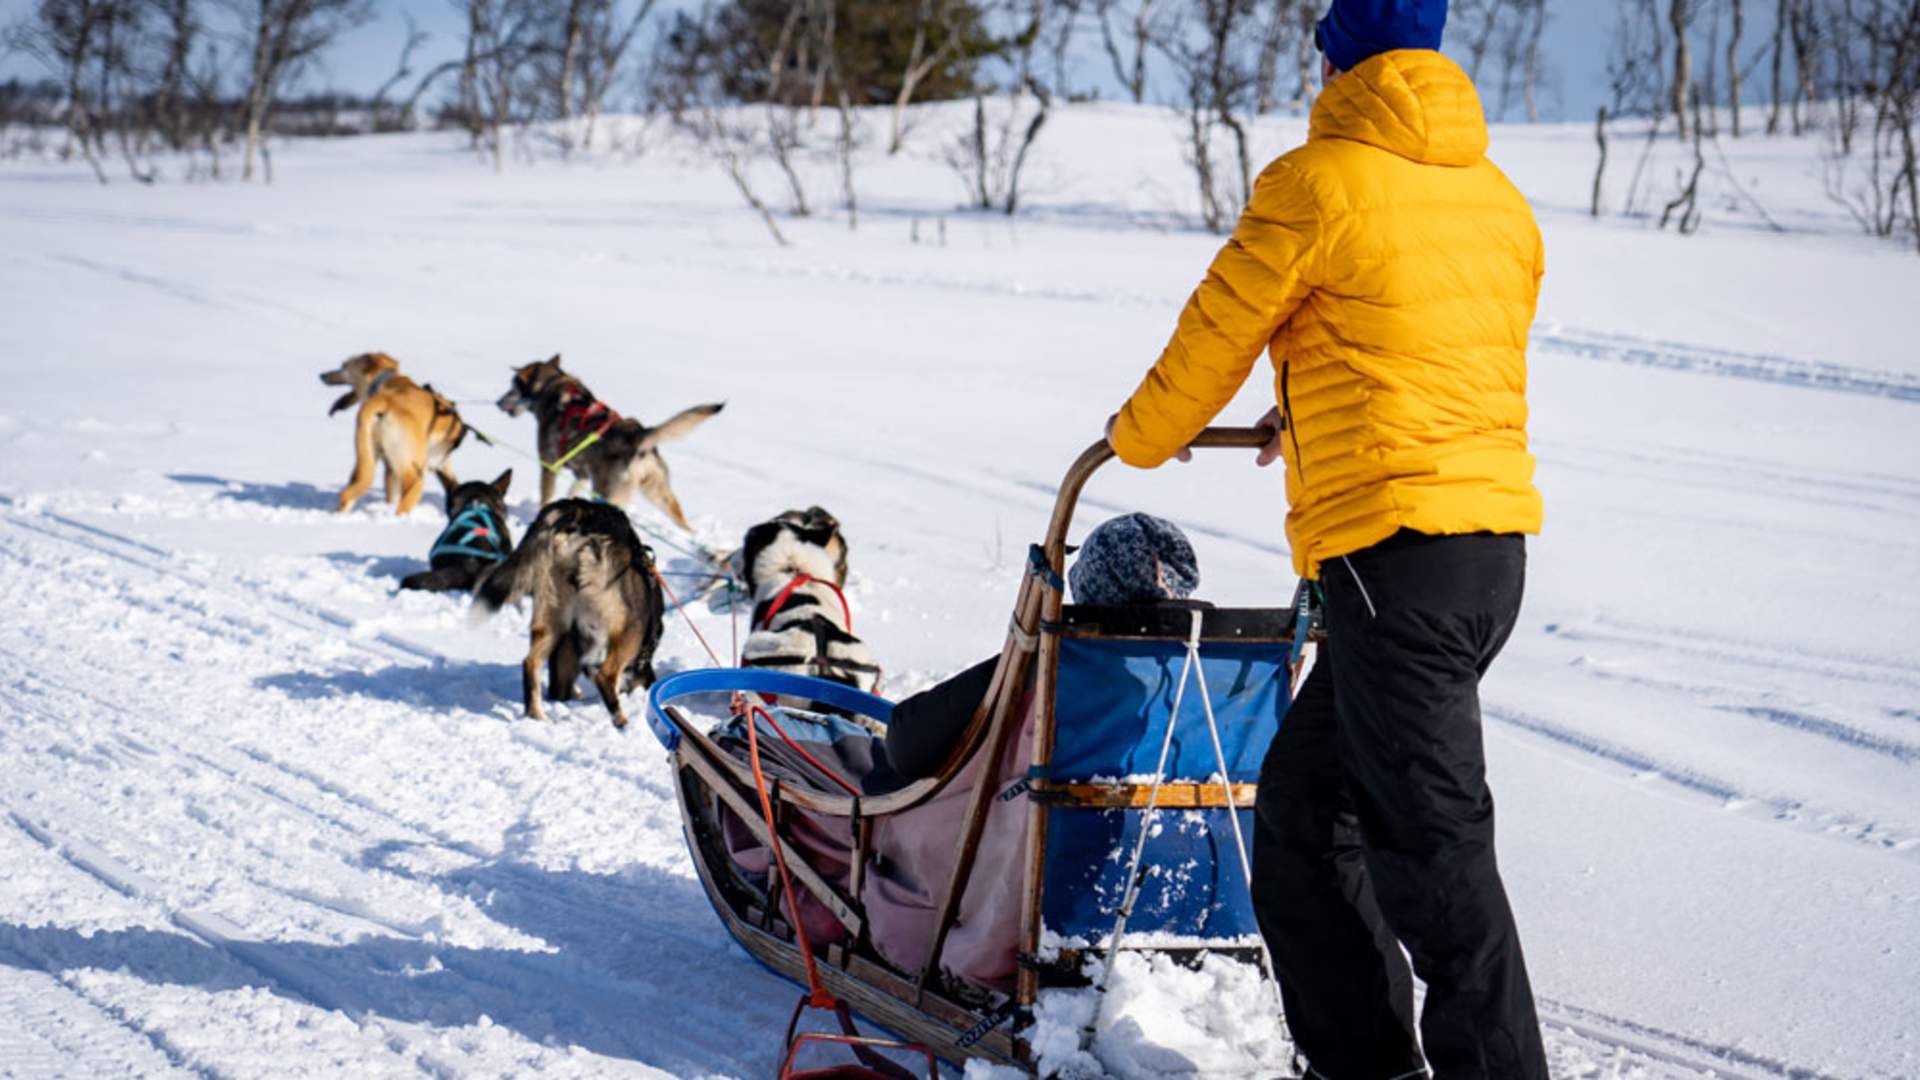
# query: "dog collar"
[379,381]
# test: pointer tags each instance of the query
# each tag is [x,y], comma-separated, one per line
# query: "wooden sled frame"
[957,1022]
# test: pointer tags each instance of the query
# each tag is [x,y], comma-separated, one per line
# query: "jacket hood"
[1412,102]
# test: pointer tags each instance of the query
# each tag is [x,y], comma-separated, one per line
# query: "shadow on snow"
[635,966]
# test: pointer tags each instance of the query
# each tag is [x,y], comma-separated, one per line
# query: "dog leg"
[393,486]
[412,484]
[656,485]
[546,485]
[563,669]
[362,478]
[540,643]
[622,649]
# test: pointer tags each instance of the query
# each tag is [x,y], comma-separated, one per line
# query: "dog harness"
[473,531]
[582,422]
[825,634]
[786,594]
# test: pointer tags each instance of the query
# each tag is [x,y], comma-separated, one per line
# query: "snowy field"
[264,817]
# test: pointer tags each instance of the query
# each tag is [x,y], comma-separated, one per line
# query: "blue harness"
[473,531]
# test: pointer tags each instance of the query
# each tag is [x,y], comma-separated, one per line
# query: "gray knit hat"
[1134,559]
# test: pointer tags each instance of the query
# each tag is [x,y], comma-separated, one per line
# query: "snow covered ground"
[264,817]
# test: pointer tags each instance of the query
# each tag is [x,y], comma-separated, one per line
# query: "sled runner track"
[287,973]
[1728,363]
[299,614]
[1668,1048]
[49,1029]
[612,1001]
[1672,467]
[147,557]
[1749,654]
[1779,809]
[601,993]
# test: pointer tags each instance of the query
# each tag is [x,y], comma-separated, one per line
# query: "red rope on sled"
[798,749]
[817,994]
[691,625]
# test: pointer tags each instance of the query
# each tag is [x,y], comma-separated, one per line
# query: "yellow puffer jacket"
[1392,271]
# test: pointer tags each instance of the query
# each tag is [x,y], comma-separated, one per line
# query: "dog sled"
[1099,800]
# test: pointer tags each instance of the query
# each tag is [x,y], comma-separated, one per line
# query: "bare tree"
[1803,29]
[592,38]
[378,107]
[1637,83]
[1686,203]
[1733,63]
[936,39]
[286,34]
[1880,186]
[1207,47]
[1779,65]
[1536,29]
[1679,16]
[1130,64]
[1278,38]
[991,157]
[1478,22]
[66,35]
[826,28]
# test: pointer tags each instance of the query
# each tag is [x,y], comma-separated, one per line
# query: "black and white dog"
[795,567]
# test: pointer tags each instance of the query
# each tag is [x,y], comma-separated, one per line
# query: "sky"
[1576,41]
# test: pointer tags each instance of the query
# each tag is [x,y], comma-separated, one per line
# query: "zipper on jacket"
[1286,416]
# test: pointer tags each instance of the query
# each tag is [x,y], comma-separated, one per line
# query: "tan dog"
[618,455]
[405,426]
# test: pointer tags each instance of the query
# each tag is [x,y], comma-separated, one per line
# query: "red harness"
[577,422]
[786,594]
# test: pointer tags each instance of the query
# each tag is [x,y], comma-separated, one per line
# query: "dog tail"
[680,425]
[513,577]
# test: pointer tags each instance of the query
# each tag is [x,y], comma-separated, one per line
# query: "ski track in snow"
[360,829]
[379,840]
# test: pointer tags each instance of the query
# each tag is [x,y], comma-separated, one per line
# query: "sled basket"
[940,908]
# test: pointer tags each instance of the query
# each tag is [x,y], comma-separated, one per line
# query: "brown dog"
[405,426]
[620,456]
[596,603]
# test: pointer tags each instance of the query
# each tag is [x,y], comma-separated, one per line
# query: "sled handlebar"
[1100,453]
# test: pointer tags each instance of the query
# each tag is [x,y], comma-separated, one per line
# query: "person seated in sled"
[1131,560]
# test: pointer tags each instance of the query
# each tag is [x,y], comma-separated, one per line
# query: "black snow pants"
[1374,825]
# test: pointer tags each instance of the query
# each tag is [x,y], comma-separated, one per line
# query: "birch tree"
[285,35]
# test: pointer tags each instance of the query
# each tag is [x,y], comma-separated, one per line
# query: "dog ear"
[502,482]
[555,361]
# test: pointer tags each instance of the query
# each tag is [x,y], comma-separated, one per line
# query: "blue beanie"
[1134,559]
[1355,30]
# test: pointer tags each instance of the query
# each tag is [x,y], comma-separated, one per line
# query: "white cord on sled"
[1146,821]
[1132,893]
[1233,812]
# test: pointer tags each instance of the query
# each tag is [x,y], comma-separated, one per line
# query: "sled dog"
[476,536]
[794,567]
[596,602]
[618,455]
[402,425]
